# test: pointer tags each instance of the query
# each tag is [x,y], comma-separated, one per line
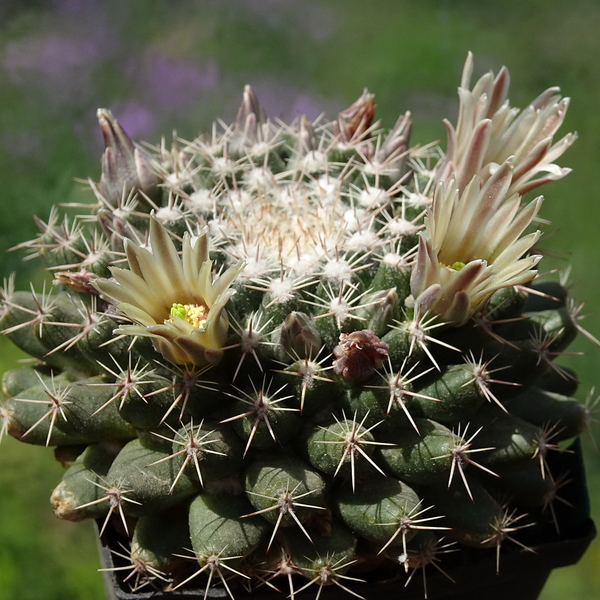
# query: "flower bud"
[298,336]
[125,169]
[358,355]
[354,122]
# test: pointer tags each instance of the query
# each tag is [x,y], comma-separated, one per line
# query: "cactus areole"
[305,356]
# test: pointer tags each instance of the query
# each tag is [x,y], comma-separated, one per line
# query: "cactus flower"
[472,246]
[173,300]
[489,131]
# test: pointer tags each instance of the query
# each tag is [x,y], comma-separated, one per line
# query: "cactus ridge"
[304,353]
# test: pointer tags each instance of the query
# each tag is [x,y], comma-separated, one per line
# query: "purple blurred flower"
[171,83]
[58,65]
[49,56]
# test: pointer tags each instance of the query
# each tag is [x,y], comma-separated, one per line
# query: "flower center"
[194,314]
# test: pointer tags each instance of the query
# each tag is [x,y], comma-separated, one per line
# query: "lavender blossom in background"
[61,66]
[172,83]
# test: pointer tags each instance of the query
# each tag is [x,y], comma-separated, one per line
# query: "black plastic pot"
[522,575]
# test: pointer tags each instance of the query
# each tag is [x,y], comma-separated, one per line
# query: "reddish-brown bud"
[358,355]
[80,281]
[354,122]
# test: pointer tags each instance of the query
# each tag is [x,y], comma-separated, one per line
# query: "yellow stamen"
[194,314]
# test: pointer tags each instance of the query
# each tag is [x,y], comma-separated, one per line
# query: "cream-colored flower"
[173,299]
[489,131]
[472,246]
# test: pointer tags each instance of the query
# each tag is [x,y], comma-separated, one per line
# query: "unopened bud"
[358,355]
[383,310]
[354,122]
[298,336]
[125,169]
[80,281]
[250,115]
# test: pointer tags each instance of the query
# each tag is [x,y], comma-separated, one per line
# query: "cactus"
[299,353]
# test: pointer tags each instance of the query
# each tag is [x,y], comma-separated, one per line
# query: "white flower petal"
[165,254]
[136,314]
[489,131]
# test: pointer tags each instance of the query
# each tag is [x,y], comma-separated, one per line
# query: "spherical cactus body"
[291,352]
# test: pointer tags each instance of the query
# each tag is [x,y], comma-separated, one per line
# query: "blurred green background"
[162,65]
